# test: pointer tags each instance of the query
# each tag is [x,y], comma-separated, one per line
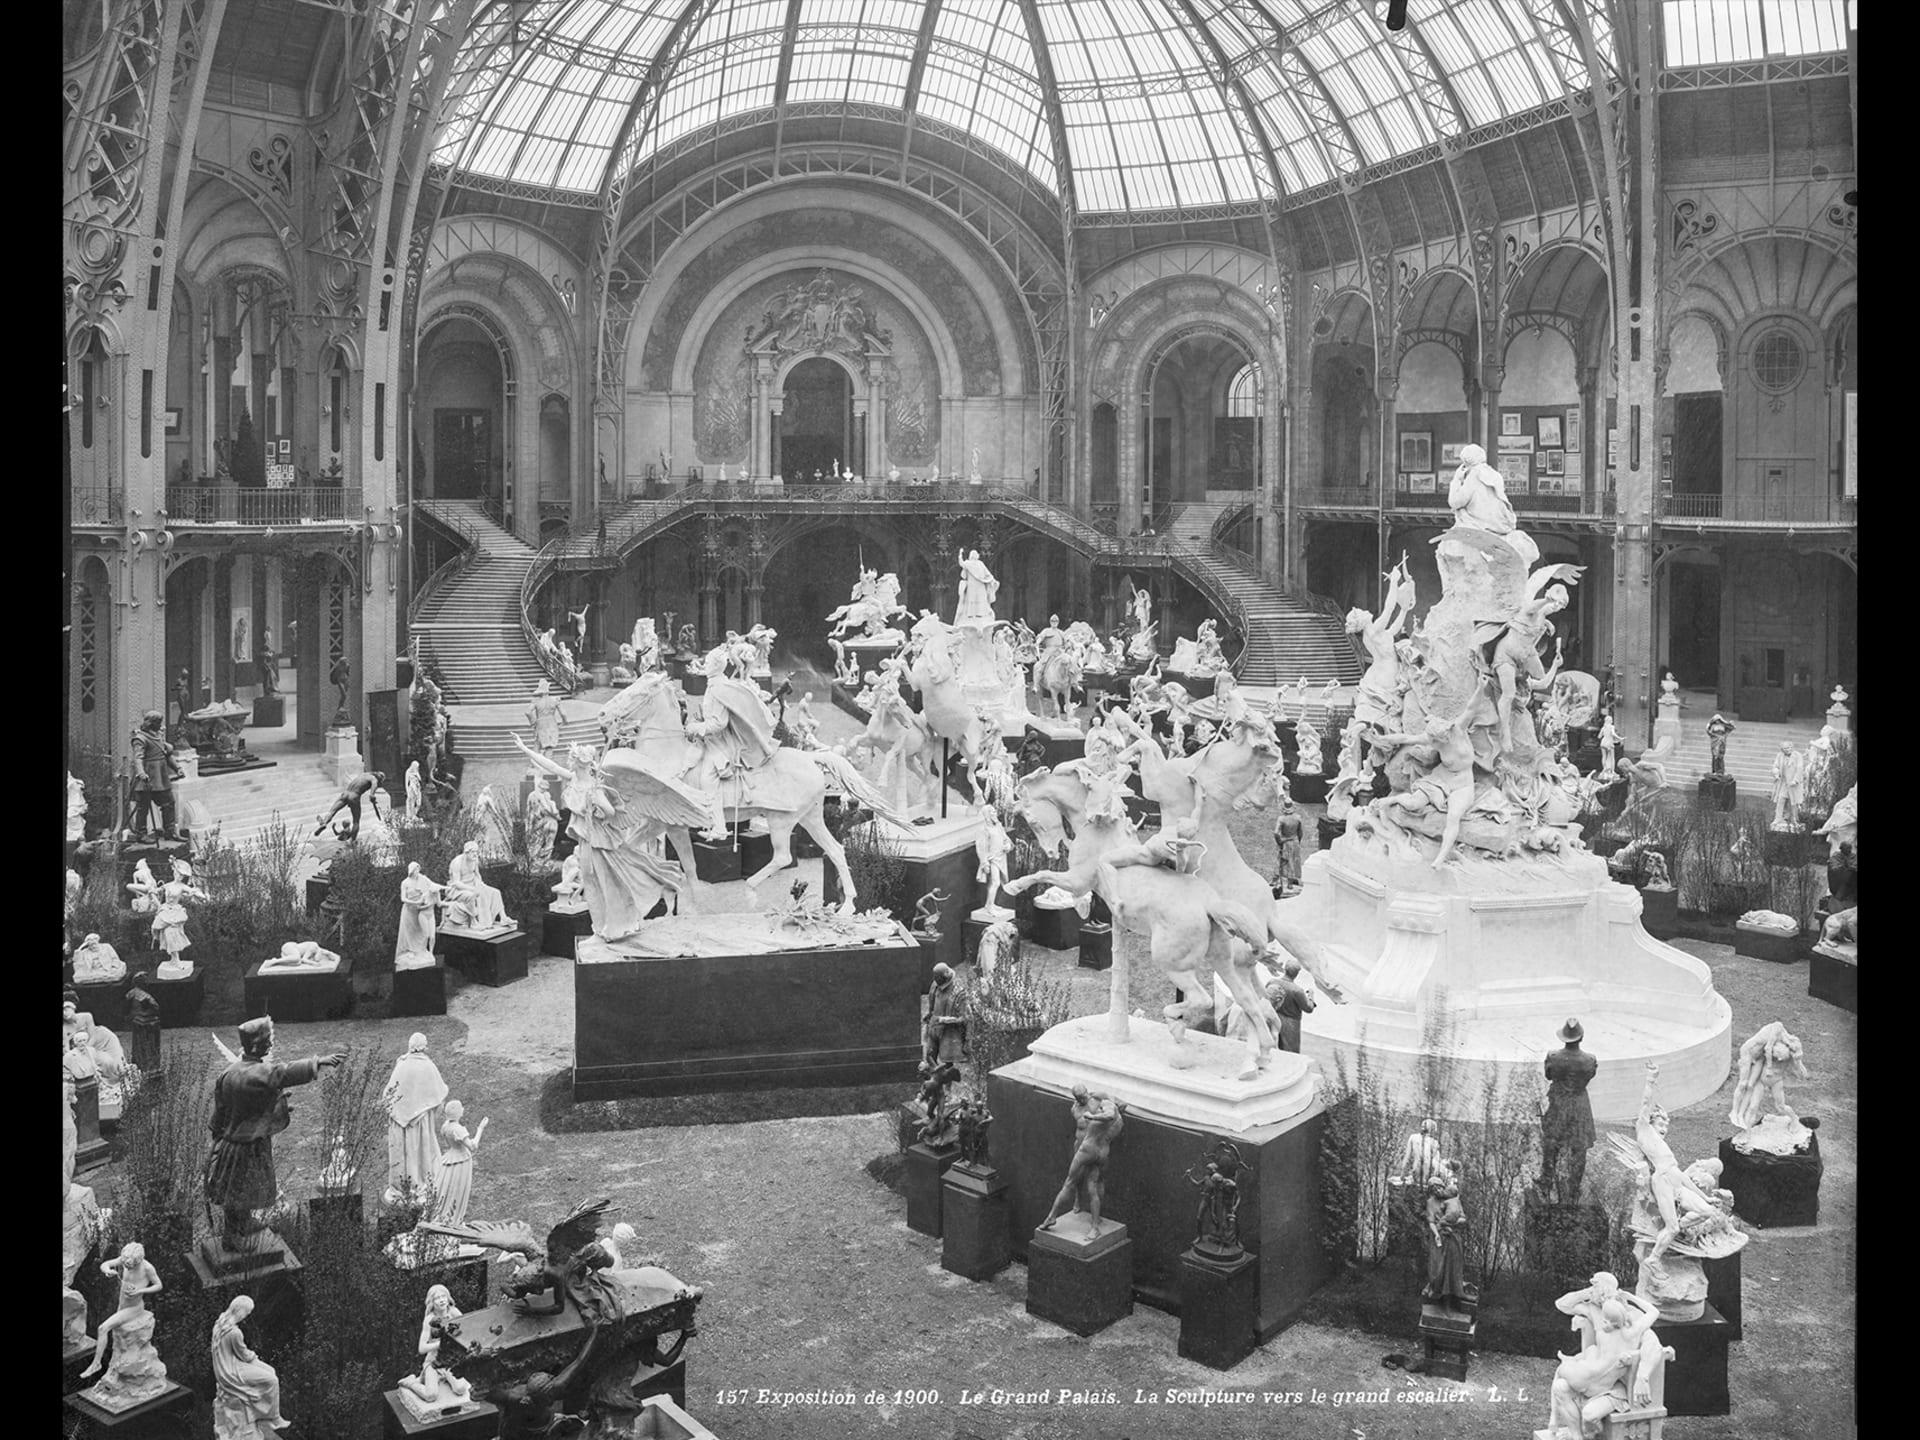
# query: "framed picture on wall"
[1556,461]
[1575,471]
[1404,482]
[173,422]
[1573,429]
[1516,444]
[1613,453]
[1416,450]
[1666,468]
[1509,422]
[1547,428]
[1517,472]
[286,449]
[1666,446]
[1423,484]
[1450,455]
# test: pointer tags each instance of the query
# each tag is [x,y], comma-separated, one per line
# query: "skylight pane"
[1150,187]
[583,168]
[1100,190]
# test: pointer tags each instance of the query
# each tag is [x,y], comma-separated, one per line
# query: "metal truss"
[109,139]
[1754,72]
[1051,306]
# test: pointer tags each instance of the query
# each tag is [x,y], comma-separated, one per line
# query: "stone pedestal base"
[1056,927]
[1696,1377]
[1096,946]
[662,1418]
[1773,1190]
[266,1254]
[270,712]
[1834,976]
[1766,945]
[1786,847]
[297,996]
[1079,1280]
[318,884]
[1219,1307]
[561,930]
[1329,830]
[926,1169]
[1660,913]
[1446,1340]
[1308,789]
[180,1000]
[105,1000]
[973,1222]
[496,960]
[941,857]
[1567,1244]
[86,1119]
[1718,792]
[343,760]
[168,1413]
[475,1420]
[420,991]
[1723,1290]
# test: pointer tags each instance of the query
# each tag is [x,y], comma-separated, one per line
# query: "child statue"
[246,1402]
[1447,1237]
[137,1373]
[569,889]
[170,921]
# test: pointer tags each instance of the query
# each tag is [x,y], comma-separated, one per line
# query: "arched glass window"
[1243,393]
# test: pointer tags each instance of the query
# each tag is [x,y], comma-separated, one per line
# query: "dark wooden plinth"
[1660,913]
[1281,1214]
[1096,946]
[559,931]
[1723,1290]
[1773,1190]
[1082,1288]
[420,991]
[180,1000]
[1329,831]
[170,1413]
[270,712]
[973,1223]
[756,853]
[680,1025]
[475,1421]
[1446,1340]
[1834,980]
[1786,847]
[1219,1308]
[1780,949]
[300,995]
[926,1169]
[317,887]
[952,874]
[1308,789]
[494,960]
[105,1000]
[716,861]
[1697,1374]
[1718,792]
[1198,687]
[1056,927]
[86,1120]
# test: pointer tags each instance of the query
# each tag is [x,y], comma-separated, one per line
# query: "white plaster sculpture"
[569,891]
[1609,745]
[433,1390]
[1843,825]
[472,904]
[412,811]
[1789,787]
[301,957]
[414,1094]
[419,919]
[801,723]
[136,1373]
[999,942]
[453,1176]
[761,638]
[337,1175]
[977,591]
[542,825]
[1420,1157]
[79,1229]
[1618,1367]
[76,810]
[993,847]
[1676,1221]
[495,815]
[1307,735]
[96,963]
[246,1390]
[544,715]
[1766,1121]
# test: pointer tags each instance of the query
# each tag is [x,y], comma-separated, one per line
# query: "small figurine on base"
[95,963]
[1610,745]
[971,1119]
[1718,728]
[926,914]
[1218,1220]
[433,1390]
[1307,735]
[246,1400]
[1760,1110]
[943,1036]
[298,957]
[1654,868]
[1097,1122]
[136,1373]
[569,890]
[939,1122]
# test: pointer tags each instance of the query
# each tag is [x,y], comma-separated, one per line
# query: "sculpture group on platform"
[1097,1123]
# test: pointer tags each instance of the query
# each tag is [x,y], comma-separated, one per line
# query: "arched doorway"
[816,422]
[462,405]
[1196,442]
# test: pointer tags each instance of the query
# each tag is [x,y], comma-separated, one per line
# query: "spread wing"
[578,1230]
[1627,1151]
[1538,581]
[510,1235]
[651,796]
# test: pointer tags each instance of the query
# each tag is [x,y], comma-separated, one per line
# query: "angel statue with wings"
[617,810]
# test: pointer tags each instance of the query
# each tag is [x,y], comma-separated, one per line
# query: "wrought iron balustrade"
[294,505]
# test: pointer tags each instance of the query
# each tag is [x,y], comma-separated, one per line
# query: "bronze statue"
[1097,1120]
[249,1109]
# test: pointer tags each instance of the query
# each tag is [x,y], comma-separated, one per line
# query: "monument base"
[973,1223]
[1696,1377]
[473,1420]
[1219,1307]
[1308,789]
[180,1000]
[1833,975]
[419,991]
[1718,792]
[1660,913]
[926,1171]
[561,930]
[1773,1190]
[1446,1340]
[1096,945]
[297,996]
[1760,944]
[1055,927]
[1080,1278]
[169,1412]
[496,958]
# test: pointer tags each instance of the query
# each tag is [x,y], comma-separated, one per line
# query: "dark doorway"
[1696,444]
[816,422]
[462,447]
[1693,625]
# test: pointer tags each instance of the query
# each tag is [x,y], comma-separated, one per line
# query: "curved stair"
[469,627]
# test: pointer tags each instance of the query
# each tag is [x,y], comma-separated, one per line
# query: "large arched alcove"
[460,409]
[816,434]
[1196,443]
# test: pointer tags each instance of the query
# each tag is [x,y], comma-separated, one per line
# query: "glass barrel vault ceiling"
[1164,104]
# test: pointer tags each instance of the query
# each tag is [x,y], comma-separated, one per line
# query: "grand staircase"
[469,626]
[1750,748]
[297,789]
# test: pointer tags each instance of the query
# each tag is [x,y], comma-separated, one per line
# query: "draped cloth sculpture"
[246,1403]
[415,1092]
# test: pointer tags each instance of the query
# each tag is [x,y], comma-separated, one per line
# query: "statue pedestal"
[973,1226]
[1786,847]
[494,959]
[1668,720]
[1308,789]
[1840,717]
[1833,975]
[940,856]
[1096,945]
[1501,951]
[1773,1190]
[561,930]
[1696,1377]
[300,995]
[474,1420]
[1723,1288]
[343,760]
[421,990]
[188,759]
[180,1000]
[1056,926]
[270,712]
[1219,1307]
[926,1169]
[172,1407]
[1446,1339]
[92,1149]
[1718,792]
[318,884]
[715,862]
[1758,943]
[105,1000]
[1079,1278]
[1660,912]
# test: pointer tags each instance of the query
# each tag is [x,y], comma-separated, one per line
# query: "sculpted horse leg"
[814,822]
[681,839]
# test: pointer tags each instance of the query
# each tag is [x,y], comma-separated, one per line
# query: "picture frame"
[1517,472]
[286,449]
[1556,461]
[1547,429]
[1416,451]
[1613,450]
[1425,484]
[1450,455]
[1666,468]
[1509,422]
[1516,444]
[1403,482]
[174,418]
[1666,447]
[1576,470]
[1573,429]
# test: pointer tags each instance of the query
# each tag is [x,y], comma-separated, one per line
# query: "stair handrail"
[468,552]
[545,562]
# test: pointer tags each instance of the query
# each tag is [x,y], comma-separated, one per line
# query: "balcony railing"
[1587,504]
[1754,509]
[296,505]
[97,505]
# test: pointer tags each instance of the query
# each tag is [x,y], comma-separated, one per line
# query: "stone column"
[877,429]
[710,627]
[774,407]
[856,462]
